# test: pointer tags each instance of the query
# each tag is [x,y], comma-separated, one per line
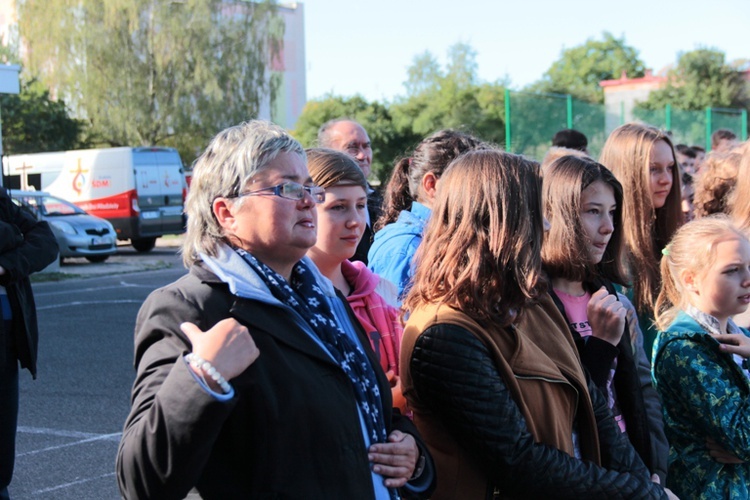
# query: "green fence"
[532,119]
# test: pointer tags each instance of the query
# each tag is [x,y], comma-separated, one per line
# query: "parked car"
[78,234]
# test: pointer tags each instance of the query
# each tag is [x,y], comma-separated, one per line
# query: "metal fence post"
[744,125]
[668,117]
[709,128]
[507,120]
[569,99]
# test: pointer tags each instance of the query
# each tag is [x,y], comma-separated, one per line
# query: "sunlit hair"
[692,249]
[565,252]
[716,179]
[330,168]
[432,155]
[739,198]
[481,249]
[231,159]
[627,153]
[556,152]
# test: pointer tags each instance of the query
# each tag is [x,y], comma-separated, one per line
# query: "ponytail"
[397,196]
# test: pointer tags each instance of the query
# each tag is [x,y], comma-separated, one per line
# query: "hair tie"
[665,251]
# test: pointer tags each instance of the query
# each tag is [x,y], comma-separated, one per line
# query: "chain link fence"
[532,119]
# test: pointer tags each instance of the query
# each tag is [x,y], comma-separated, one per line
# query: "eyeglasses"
[290,191]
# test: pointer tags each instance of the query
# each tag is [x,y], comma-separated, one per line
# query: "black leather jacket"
[453,374]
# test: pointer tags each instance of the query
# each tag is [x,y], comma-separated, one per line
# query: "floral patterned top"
[704,393]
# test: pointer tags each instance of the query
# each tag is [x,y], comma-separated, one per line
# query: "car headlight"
[63,226]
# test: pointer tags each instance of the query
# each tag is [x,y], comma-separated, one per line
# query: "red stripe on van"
[119,205]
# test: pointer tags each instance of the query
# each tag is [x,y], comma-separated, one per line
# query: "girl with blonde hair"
[700,358]
[643,160]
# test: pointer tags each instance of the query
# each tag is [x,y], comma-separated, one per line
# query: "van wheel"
[97,258]
[143,245]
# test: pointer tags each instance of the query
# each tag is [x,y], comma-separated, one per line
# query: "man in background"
[348,136]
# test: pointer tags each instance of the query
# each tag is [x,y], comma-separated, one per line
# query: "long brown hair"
[627,153]
[432,155]
[565,250]
[481,251]
[739,199]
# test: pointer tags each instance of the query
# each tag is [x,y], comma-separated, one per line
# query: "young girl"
[408,202]
[643,160]
[341,223]
[583,256]
[700,356]
[497,403]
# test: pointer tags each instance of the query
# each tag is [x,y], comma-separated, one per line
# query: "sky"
[365,46]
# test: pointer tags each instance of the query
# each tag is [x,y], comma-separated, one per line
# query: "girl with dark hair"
[506,409]
[408,201]
[583,255]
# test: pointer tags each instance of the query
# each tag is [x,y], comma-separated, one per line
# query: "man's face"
[352,139]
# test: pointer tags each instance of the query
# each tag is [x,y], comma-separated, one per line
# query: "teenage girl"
[700,354]
[341,224]
[643,160]
[505,407]
[583,257]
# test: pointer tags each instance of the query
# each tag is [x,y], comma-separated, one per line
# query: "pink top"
[575,310]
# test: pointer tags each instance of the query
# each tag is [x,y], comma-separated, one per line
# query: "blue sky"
[365,46]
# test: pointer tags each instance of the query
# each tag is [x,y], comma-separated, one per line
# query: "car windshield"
[49,206]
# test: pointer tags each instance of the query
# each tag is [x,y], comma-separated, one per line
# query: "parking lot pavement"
[126,260]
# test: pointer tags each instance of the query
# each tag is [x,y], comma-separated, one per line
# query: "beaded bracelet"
[209,370]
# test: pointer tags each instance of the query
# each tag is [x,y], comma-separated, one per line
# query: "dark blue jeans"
[8,410]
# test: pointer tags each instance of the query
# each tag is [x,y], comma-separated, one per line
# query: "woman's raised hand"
[606,316]
[228,346]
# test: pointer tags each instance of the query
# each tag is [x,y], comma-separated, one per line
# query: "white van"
[141,191]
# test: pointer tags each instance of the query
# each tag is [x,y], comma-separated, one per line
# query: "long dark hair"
[432,155]
[565,250]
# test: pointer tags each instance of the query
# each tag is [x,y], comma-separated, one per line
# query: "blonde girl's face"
[661,167]
[722,289]
[597,213]
[341,223]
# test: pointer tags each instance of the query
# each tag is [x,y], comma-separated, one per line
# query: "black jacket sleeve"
[454,375]
[26,244]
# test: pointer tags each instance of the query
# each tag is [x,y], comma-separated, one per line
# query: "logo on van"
[79,180]
[166,179]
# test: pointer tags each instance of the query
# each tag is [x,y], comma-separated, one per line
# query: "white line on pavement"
[73,483]
[88,303]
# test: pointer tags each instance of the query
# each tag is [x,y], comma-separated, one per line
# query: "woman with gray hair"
[254,379]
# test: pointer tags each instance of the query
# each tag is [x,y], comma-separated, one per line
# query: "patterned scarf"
[303,294]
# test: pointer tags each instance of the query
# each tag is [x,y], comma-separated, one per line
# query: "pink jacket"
[379,318]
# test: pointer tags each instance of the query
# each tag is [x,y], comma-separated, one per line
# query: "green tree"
[701,79]
[146,72]
[387,143]
[32,122]
[450,98]
[580,69]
